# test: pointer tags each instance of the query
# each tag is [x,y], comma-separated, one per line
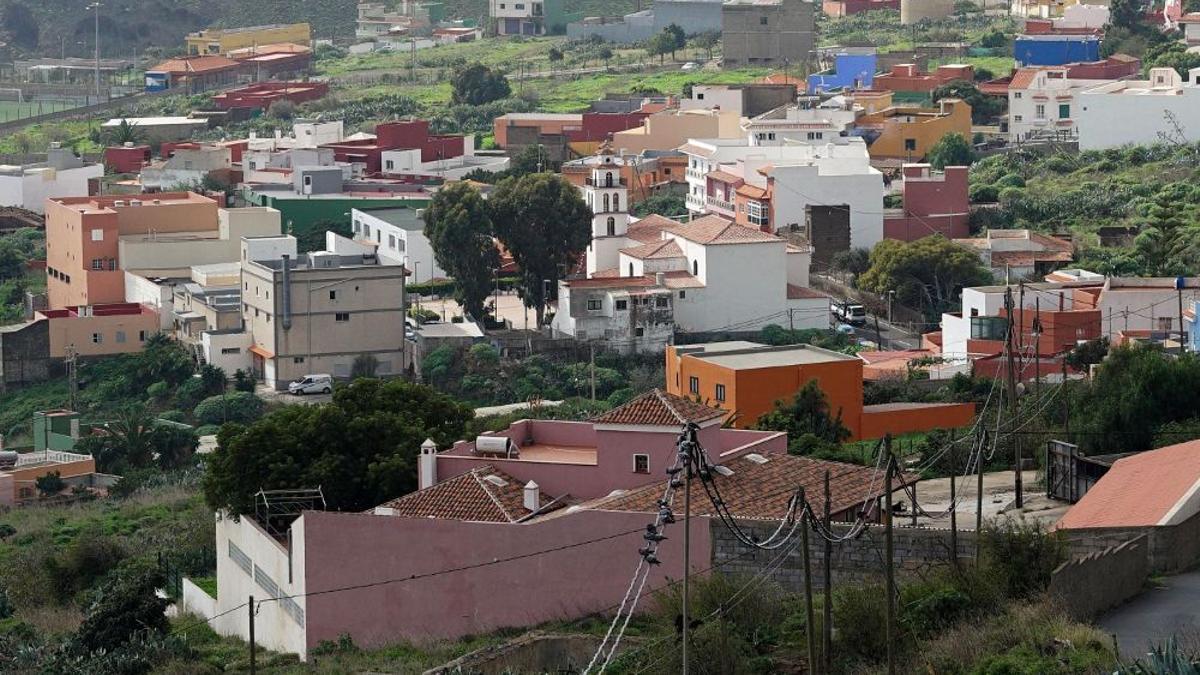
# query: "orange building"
[909,132]
[18,475]
[99,330]
[746,379]
[83,240]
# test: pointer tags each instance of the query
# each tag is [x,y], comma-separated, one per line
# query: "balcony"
[720,205]
[695,174]
[695,203]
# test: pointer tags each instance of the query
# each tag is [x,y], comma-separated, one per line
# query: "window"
[97,235]
[910,144]
[694,384]
[366,231]
[1018,118]
[606,203]
[141,336]
[988,327]
[120,337]
[594,305]
[667,171]
[1017,94]
[696,267]
[630,269]
[297,359]
[1039,112]
[97,264]
[661,302]
[392,241]
[815,135]
[391,165]
[1064,111]
[341,317]
[639,331]
[1164,323]
[682,294]
[699,97]
[97,338]
[231,350]
[641,463]
[333,295]
[616,202]
[771,136]
[762,20]
[721,392]
[622,305]
[612,226]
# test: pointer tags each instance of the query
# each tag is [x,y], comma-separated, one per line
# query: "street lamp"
[496,295]
[891,299]
[96,6]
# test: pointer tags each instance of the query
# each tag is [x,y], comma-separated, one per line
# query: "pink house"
[908,77]
[933,204]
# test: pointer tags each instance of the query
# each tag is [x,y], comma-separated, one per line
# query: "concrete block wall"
[854,561]
[1100,580]
[1168,549]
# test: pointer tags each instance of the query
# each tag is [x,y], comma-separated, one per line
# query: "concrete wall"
[855,561]
[24,354]
[1169,549]
[1102,118]
[193,600]
[218,350]
[102,335]
[140,290]
[798,187]
[786,35]
[1098,581]
[30,189]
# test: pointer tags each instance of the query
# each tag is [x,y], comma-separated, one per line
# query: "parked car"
[691,65]
[845,329]
[311,384]
[849,312]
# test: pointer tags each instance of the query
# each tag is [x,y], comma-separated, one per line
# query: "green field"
[12,110]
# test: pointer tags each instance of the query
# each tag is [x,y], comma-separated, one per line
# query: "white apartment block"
[1043,102]
[1140,112]
[28,186]
[398,235]
[801,124]
[837,173]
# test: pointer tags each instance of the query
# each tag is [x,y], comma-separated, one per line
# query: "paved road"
[893,338]
[1157,614]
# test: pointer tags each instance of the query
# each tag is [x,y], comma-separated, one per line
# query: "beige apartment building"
[320,311]
[670,129]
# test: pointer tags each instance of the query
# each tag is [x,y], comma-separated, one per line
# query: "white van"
[311,384]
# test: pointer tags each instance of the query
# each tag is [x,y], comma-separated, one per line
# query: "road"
[894,338]
[1173,608]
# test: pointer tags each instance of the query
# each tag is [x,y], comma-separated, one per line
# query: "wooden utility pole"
[1012,393]
[889,562]
[592,359]
[809,615]
[979,497]
[827,608]
[953,504]
[253,665]
[687,542]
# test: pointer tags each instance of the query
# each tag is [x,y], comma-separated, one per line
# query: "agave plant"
[1164,659]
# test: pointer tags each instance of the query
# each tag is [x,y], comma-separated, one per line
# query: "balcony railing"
[720,204]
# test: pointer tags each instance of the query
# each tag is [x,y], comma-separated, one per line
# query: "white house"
[837,173]
[399,237]
[799,123]
[1044,102]
[455,168]
[710,275]
[28,186]
[1140,111]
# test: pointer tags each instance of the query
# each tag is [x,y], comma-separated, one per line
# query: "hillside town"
[579,336]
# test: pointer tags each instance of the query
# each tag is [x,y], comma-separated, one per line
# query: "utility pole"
[810,620]
[253,665]
[791,323]
[827,609]
[979,498]
[687,539]
[889,554]
[72,361]
[953,503]
[592,359]
[96,6]
[1037,345]
[878,335]
[1182,333]
[1012,393]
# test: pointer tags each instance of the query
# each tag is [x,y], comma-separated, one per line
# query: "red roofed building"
[908,77]
[194,73]
[404,135]
[260,96]
[281,60]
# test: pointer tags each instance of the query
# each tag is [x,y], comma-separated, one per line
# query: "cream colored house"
[318,312]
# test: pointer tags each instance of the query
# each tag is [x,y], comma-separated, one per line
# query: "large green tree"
[807,419]
[459,229]
[951,150]
[544,223]
[361,449]
[929,273]
[478,84]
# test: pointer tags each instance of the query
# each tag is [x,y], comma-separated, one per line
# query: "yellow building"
[908,133]
[224,40]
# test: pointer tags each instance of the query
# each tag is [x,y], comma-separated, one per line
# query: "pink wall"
[932,203]
[565,584]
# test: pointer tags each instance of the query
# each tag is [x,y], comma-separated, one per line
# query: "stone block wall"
[854,561]
[1101,580]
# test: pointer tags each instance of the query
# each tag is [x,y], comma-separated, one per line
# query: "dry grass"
[50,620]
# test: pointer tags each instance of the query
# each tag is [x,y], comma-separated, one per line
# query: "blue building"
[1055,50]
[850,71]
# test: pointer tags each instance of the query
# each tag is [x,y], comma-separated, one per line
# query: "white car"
[311,384]
[691,65]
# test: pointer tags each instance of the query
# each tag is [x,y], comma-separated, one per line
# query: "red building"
[276,61]
[848,7]
[128,158]
[260,96]
[406,135]
[933,204]
[600,126]
[908,77]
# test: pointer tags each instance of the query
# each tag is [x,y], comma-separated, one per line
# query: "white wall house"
[1044,102]
[455,168]
[399,236]
[799,124]
[1140,111]
[28,186]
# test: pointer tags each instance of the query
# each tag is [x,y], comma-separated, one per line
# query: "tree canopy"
[983,107]
[361,449]
[544,223]
[807,420]
[459,229]
[478,84]
[929,273]
[951,150]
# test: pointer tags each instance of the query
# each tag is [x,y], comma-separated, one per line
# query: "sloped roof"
[1152,488]
[761,486]
[658,408]
[663,248]
[650,228]
[483,494]
[196,64]
[713,229]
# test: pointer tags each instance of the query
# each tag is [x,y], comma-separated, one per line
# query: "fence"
[175,565]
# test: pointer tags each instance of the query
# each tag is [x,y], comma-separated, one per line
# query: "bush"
[172,416]
[243,381]
[124,606]
[239,406]
[984,193]
[1022,555]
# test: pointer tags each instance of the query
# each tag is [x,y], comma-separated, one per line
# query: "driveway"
[269,394]
[1173,608]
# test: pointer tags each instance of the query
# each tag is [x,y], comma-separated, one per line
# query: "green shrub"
[238,406]
[172,415]
[158,391]
[1022,555]
[859,617]
[981,193]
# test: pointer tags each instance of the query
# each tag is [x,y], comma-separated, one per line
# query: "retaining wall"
[1101,580]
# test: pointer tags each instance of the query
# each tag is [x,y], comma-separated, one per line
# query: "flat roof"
[772,357]
[402,217]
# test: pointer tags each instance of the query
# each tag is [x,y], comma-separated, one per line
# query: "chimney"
[427,465]
[533,496]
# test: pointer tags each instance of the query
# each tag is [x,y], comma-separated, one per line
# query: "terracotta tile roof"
[751,191]
[611,282]
[1023,78]
[658,408]
[663,248]
[1156,487]
[762,489]
[795,292]
[724,176]
[717,230]
[477,495]
[196,64]
[650,228]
